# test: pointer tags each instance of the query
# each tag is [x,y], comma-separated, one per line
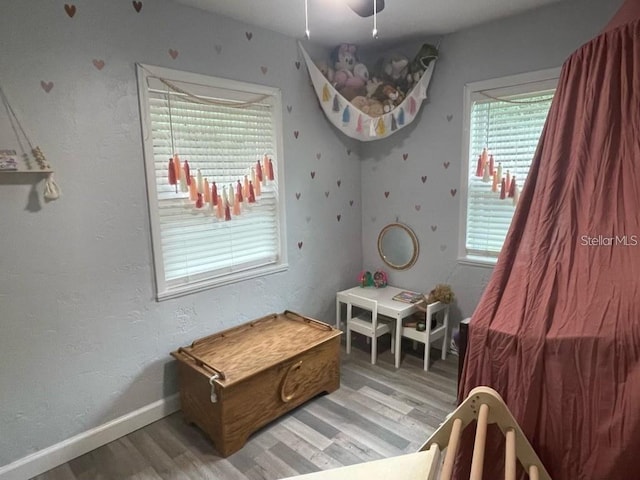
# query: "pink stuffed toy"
[344,57]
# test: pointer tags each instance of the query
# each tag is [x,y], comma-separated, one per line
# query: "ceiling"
[332,22]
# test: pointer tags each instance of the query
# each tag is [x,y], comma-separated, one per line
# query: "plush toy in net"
[442,293]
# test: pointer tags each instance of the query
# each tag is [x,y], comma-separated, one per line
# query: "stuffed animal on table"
[420,63]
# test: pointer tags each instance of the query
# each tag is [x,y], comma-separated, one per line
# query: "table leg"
[338,314]
[398,340]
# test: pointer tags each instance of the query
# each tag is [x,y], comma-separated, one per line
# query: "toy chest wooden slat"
[236,381]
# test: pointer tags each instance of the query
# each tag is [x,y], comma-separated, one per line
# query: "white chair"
[440,331]
[368,323]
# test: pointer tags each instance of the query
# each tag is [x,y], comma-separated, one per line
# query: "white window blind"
[510,129]
[222,130]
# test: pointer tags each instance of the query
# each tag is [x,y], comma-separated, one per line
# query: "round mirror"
[398,246]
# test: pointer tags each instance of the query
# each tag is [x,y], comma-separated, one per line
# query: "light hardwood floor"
[377,412]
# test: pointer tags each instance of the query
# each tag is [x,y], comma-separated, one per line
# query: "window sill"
[474,261]
[218,282]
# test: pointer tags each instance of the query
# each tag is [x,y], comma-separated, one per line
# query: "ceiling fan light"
[364,8]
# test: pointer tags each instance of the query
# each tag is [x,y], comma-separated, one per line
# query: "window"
[222,129]
[505,116]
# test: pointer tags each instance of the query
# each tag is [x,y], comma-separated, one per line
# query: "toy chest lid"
[243,351]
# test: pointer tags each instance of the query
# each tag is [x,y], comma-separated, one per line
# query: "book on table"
[407,296]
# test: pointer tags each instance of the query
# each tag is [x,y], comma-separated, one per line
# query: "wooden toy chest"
[236,381]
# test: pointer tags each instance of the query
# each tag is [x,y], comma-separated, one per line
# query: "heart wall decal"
[46,86]
[249,35]
[99,64]
[300,245]
[137,6]
[173,53]
[70,9]
[263,69]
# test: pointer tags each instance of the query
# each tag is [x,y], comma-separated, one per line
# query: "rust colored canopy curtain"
[557,330]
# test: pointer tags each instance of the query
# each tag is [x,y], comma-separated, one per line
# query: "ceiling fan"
[364,8]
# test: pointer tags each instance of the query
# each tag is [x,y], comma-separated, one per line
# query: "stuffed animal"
[344,59]
[356,85]
[370,106]
[389,96]
[442,293]
[420,63]
[394,70]
[372,86]
[326,70]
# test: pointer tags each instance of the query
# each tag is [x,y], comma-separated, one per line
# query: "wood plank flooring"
[377,412]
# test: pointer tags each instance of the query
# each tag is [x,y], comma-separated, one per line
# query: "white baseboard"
[50,457]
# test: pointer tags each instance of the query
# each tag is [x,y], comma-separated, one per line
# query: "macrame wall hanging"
[207,194]
[37,162]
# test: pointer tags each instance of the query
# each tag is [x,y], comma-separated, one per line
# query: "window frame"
[518,84]
[163,291]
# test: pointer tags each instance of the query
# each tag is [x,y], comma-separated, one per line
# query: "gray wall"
[81,339]
[433,142]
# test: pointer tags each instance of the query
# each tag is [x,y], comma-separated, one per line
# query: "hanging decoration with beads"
[51,189]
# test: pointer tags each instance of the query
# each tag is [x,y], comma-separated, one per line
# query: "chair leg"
[445,342]
[348,340]
[374,349]
[444,346]
[427,354]
[393,341]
